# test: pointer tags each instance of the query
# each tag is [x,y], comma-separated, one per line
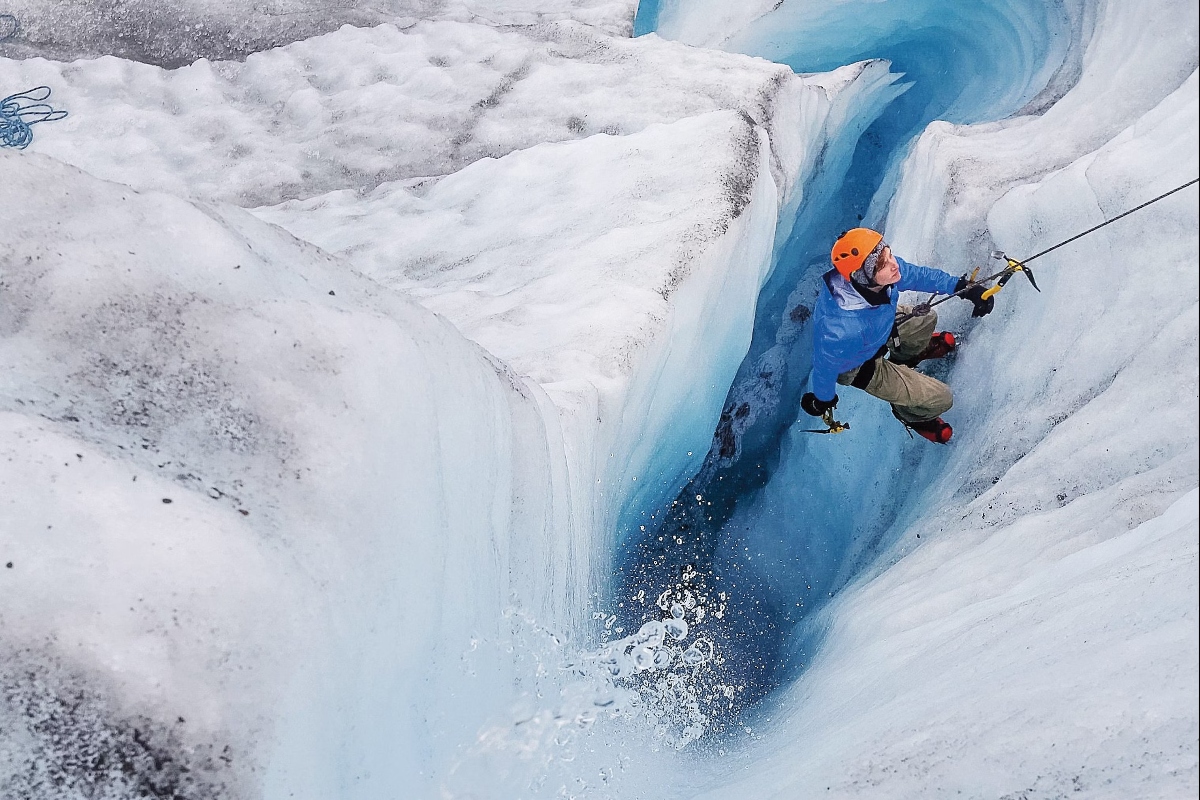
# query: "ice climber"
[858,340]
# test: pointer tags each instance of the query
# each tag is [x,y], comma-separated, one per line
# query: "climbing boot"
[935,430]
[941,344]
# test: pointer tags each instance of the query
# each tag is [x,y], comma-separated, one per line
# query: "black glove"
[814,407]
[975,295]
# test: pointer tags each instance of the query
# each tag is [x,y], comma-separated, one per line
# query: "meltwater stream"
[777,520]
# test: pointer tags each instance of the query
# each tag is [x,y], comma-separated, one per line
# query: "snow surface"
[408,321]
[173,33]
[357,108]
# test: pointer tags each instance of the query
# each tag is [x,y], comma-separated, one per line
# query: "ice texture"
[359,107]
[293,504]
[173,33]
[1027,40]
[332,378]
[226,453]
[1002,645]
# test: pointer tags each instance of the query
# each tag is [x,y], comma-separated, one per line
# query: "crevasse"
[776,520]
[389,506]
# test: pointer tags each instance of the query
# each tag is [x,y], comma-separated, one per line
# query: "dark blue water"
[763,557]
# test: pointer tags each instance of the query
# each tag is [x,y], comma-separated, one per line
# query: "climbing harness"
[1013,266]
[20,111]
[833,426]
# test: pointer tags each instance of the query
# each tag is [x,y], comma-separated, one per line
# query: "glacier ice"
[235,456]
[174,33]
[773,577]
[962,190]
[494,271]
[416,102]
[356,540]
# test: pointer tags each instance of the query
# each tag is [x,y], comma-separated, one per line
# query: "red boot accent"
[941,344]
[935,430]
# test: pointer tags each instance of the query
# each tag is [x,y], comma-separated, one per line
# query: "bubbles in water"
[651,687]
[650,634]
[643,658]
[574,705]
[699,653]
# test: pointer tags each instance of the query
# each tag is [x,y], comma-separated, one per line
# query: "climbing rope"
[20,111]
[10,26]
[1013,266]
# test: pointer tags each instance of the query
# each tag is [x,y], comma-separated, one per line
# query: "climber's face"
[887,271]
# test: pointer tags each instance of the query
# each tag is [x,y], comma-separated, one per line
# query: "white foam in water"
[641,688]
[328,374]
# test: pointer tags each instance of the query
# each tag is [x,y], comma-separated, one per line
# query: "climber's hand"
[814,407]
[974,293]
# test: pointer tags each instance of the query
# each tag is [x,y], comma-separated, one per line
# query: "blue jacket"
[847,330]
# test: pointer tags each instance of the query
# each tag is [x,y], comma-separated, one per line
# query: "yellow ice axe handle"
[834,425]
[1013,268]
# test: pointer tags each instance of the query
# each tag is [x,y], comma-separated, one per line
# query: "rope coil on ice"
[20,111]
[10,26]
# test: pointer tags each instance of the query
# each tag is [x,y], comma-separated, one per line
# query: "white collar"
[844,293]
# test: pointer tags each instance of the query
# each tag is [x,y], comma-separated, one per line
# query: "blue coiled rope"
[20,111]
[10,26]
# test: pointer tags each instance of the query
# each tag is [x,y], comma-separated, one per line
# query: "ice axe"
[1013,268]
[833,425]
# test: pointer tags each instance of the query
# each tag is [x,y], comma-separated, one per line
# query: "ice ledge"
[228,465]
[173,33]
[357,108]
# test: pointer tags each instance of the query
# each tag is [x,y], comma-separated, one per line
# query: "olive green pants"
[914,397]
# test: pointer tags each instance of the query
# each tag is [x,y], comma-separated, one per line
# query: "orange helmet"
[852,248]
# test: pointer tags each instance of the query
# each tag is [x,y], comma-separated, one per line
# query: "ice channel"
[776,520]
[327,488]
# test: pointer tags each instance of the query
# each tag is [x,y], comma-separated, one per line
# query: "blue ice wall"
[646,19]
[778,520]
